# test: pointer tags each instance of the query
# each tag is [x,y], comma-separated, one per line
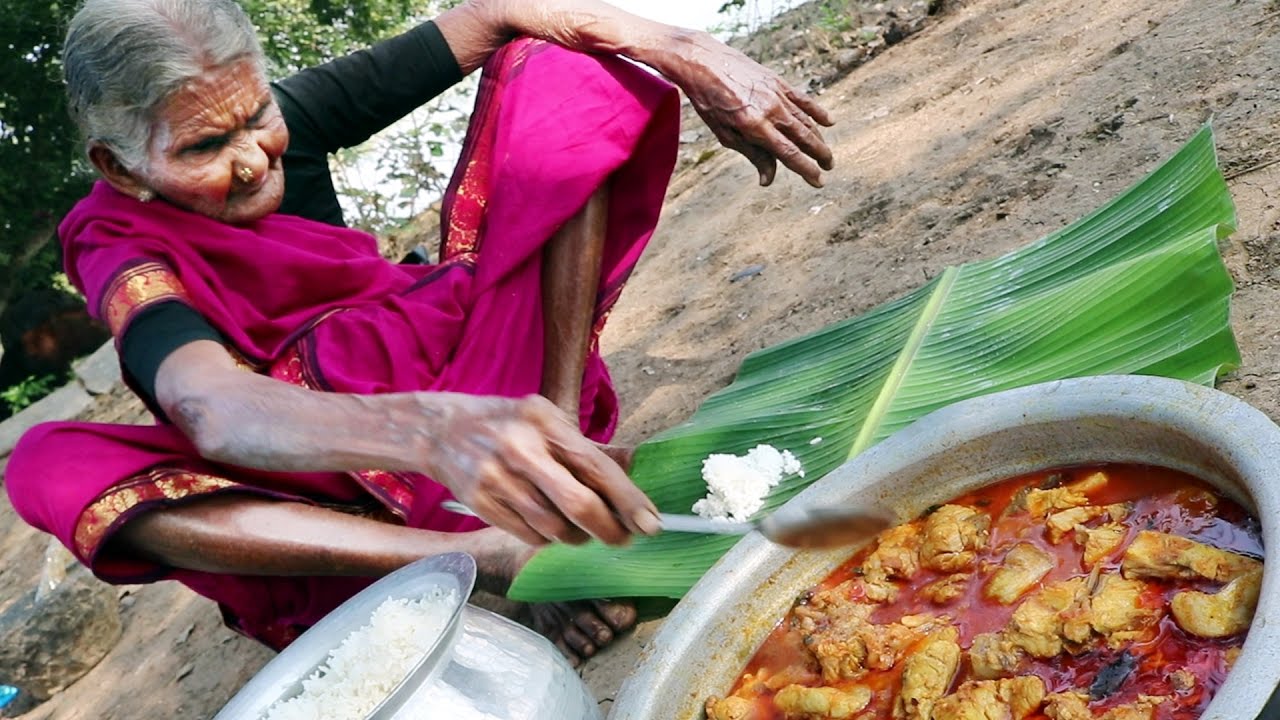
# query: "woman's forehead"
[220,99]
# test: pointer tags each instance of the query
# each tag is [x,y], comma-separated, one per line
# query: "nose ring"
[245,173]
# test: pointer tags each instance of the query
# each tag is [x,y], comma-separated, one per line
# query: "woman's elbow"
[206,423]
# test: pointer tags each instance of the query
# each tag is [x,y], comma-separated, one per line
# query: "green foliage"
[41,168]
[742,17]
[1136,287]
[392,179]
[835,16]
[20,396]
[300,33]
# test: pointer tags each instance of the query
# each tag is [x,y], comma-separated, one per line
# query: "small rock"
[47,645]
[850,57]
[894,34]
[690,136]
[749,271]
[64,403]
[100,372]
[795,43]
[647,370]
[186,633]
[184,671]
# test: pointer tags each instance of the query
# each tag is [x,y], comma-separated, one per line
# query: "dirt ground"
[1000,121]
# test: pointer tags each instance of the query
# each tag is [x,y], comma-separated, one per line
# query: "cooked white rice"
[737,485]
[371,661]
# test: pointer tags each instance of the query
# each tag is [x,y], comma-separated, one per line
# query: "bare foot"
[579,629]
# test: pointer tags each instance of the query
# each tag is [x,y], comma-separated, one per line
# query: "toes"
[548,619]
[569,654]
[619,615]
[593,626]
[578,642]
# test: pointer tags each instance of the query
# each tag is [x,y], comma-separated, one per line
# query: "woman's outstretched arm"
[249,535]
[748,107]
[520,463]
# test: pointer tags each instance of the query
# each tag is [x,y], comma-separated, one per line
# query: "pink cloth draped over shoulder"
[316,305]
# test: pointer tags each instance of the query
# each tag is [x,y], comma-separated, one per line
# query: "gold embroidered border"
[156,486]
[467,211]
[136,288]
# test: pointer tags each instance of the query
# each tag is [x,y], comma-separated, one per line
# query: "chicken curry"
[1117,592]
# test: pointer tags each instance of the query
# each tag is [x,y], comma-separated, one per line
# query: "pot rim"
[1240,447]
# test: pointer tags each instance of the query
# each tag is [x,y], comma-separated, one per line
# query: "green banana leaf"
[1136,287]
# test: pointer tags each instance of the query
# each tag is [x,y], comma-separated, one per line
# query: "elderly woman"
[316,403]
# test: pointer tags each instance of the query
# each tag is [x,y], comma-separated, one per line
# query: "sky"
[697,14]
[702,14]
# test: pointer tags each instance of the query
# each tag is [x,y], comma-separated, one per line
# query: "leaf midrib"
[884,399]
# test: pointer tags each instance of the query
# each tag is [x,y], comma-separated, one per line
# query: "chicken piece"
[1060,523]
[1144,708]
[1161,555]
[1092,482]
[1116,613]
[897,553]
[1042,502]
[1008,699]
[923,622]
[1100,542]
[1182,680]
[1222,614]
[946,589]
[1024,567]
[927,675]
[790,675]
[1073,705]
[832,597]
[897,556]
[846,644]
[1077,617]
[1037,625]
[953,534]
[993,655]
[730,708]
[798,702]
[878,588]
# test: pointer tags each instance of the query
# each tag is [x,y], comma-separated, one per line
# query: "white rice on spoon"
[737,485]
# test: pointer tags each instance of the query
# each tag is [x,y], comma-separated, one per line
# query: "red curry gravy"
[1163,500]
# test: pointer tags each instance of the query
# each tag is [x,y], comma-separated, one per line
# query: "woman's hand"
[520,464]
[748,107]
[751,109]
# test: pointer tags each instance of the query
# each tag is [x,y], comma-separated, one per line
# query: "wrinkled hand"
[523,466]
[752,110]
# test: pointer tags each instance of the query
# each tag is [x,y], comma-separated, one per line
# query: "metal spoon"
[825,527]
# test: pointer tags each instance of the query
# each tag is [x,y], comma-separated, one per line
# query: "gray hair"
[123,58]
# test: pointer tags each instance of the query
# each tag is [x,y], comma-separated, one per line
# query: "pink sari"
[315,305]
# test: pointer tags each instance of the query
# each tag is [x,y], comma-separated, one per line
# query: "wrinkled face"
[207,133]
